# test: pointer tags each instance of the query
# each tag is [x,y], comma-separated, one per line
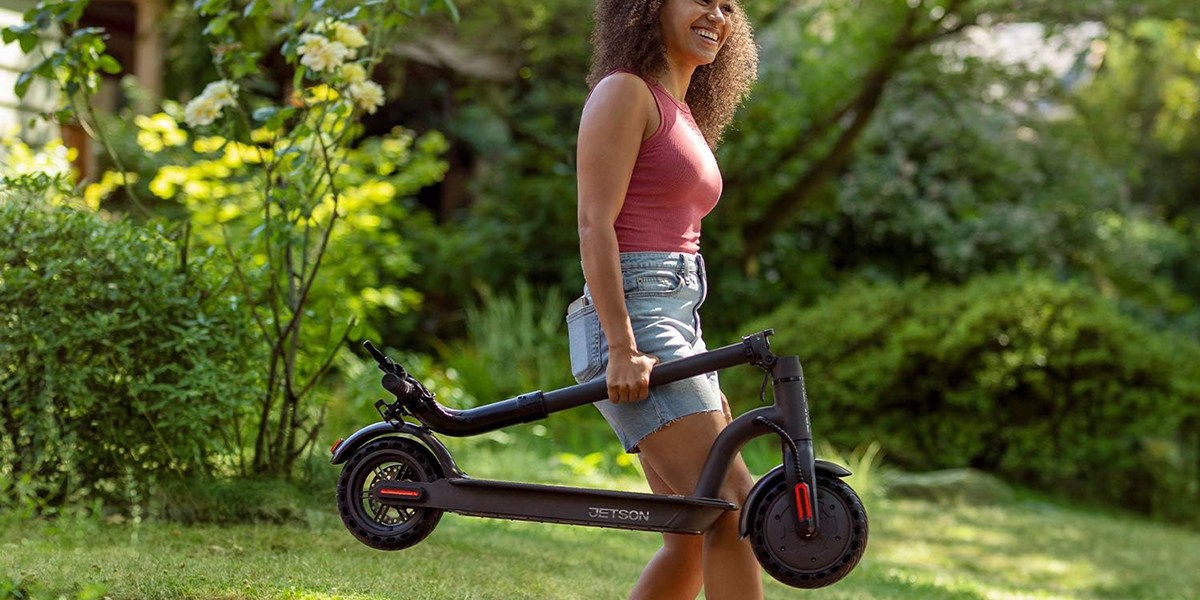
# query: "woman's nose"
[716,14]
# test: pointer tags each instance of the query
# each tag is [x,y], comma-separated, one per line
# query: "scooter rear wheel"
[821,561]
[374,523]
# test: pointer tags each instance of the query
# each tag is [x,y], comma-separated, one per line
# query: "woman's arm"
[618,115]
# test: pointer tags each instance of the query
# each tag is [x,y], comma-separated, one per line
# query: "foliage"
[75,66]
[233,500]
[1042,382]
[512,135]
[274,185]
[120,364]
[1149,88]
[970,163]
[879,138]
[515,344]
[46,173]
[301,189]
[869,477]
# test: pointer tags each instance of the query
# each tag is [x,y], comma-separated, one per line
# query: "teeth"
[706,34]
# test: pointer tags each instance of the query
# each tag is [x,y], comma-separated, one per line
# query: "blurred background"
[975,221]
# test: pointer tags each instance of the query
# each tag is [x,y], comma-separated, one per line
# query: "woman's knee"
[684,546]
[738,483]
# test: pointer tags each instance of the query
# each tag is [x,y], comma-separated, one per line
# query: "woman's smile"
[707,35]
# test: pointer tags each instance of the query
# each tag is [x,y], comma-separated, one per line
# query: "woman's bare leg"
[676,454]
[676,570]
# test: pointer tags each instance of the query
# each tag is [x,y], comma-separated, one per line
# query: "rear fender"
[769,480]
[346,448]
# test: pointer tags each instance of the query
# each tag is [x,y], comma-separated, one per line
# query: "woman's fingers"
[630,381]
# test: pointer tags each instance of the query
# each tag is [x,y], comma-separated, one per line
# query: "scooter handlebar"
[754,349]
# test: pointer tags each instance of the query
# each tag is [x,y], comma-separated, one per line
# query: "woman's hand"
[628,376]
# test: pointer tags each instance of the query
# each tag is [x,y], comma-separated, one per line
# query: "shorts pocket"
[583,330]
[652,282]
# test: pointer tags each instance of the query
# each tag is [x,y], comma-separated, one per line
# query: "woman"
[666,78]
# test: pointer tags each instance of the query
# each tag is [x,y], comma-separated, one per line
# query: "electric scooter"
[807,527]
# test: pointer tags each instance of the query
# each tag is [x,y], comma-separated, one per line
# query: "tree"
[813,145]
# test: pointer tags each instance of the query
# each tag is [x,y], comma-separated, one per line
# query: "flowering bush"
[205,108]
[270,176]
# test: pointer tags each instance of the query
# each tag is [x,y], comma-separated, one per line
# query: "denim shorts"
[663,294]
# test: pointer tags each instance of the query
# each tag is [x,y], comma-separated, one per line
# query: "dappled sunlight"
[1000,552]
[961,586]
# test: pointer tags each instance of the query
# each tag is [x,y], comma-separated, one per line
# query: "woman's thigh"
[678,451]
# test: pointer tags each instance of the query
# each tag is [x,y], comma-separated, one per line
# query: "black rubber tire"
[814,563]
[375,524]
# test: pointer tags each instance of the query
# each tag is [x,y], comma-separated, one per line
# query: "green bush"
[1042,382]
[121,362]
[516,343]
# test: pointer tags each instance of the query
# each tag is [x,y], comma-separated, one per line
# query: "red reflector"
[401,493]
[335,446]
[803,503]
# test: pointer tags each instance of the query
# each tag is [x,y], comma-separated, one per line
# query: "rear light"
[333,449]
[400,493]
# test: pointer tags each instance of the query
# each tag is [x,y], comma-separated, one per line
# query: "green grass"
[917,550]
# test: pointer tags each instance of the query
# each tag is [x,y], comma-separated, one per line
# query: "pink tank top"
[675,182]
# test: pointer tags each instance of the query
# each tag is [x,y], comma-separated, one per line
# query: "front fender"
[769,480]
[347,447]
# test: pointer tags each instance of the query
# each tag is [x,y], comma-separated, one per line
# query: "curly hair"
[627,36]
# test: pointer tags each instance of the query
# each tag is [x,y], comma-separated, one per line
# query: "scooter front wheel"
[818,562]
[374,523]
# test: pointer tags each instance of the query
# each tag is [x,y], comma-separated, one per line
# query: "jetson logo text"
[620,514]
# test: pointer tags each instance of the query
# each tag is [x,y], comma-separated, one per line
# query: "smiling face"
[693,31]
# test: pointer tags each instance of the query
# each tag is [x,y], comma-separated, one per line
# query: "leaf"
[264,114]
[277,120]
[28,43]
[219,25]
[18,32]
[22,85]
[109,65]
[76,11]
[44,69]
[451,8]
[209,7]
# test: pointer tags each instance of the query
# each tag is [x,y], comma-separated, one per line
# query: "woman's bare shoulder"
[621,88]
[622,99]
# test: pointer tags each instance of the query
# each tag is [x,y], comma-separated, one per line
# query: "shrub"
[1039,381]
[515,344]
[121,360]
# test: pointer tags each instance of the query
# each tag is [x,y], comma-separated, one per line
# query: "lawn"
[1024,549]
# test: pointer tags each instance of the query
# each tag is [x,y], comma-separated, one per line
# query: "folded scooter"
[807,527]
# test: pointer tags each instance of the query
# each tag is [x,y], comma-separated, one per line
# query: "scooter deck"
[556,504]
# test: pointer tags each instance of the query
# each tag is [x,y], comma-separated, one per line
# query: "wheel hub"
[815,554]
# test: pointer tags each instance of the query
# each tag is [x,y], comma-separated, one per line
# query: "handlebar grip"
[397,385]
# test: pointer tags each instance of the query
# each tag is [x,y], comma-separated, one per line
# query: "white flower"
[223,92]
[320,54]
[368,95]
[202,110]
[353,73]
[323,26]
[349,35]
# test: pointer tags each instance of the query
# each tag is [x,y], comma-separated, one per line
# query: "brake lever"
[386,364]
